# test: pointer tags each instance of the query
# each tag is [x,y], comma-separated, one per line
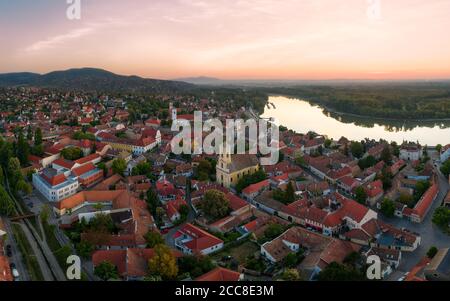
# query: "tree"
[23,149]
[357,149]
[273,230]
[215,205]
[360,195]
[421,188]
[204,166]
[195,265]
[102,223]
[407,199]
[106,271]
[119,166]
[367,162]
[2,176]
[6,203]
[445,168]
[38,136]
[290,193]
[388,207]
[29,133]
[143,168]
[72,153]
[153,239]
[23,186]
[441,217]
[184,211]
[45,214]
[386,178]
[386,155]
[248,180]
[339,272]
[291,275]
[439,148]
[163,263]
[152,201]
[432,252]
[85,249]
[300,160]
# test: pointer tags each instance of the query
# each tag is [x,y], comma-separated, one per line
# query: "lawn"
[240,253]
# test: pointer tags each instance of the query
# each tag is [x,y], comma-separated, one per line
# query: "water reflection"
[302,117]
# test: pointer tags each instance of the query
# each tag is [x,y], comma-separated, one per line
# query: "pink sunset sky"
[231,39]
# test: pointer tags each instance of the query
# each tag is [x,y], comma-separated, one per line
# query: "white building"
[55,186]
[411,152]
[445,153]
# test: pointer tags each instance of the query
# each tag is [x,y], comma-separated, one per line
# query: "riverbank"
[331,110]
[303,116]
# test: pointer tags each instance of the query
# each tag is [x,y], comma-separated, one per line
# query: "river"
[302,117]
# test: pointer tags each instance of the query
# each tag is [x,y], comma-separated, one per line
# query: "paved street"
[16,254]
[431,235]
[191,217]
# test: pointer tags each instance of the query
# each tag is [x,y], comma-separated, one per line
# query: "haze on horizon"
[231,39]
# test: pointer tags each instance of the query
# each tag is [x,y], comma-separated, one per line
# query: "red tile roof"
[235,202]
[374,189]
[130,262]
[201,239]
[56,180]
[83,169]
[256,187]
[64,163]
[220,274]
[5,271]
[425,202]
[87,159]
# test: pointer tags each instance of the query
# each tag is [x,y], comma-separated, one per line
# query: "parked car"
[8,251]
[14,271]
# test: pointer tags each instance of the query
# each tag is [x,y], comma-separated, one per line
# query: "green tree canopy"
[106,271]
[215,205]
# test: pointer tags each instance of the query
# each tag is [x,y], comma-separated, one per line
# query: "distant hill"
[90,79]
[201,80]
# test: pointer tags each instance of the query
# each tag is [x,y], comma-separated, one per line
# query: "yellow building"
[120,145]
[231,168]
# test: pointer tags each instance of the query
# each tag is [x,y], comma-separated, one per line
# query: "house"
[193,240]
[173,209]
[374,192]
[221,274]
[319,250]
[241,212]
[445,153]
[54,185]
[348,184]
[166,191]
[184,170]
[129,213]
[418,213]
[88,174]
[392,257]
[252,191]
[410,152]
[376,233]
[131,264]
[231,168]
[153,123]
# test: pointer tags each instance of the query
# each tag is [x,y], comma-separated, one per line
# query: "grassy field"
[27,253]
[240,253]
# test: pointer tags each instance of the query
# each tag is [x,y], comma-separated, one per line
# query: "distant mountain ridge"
[91,79]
